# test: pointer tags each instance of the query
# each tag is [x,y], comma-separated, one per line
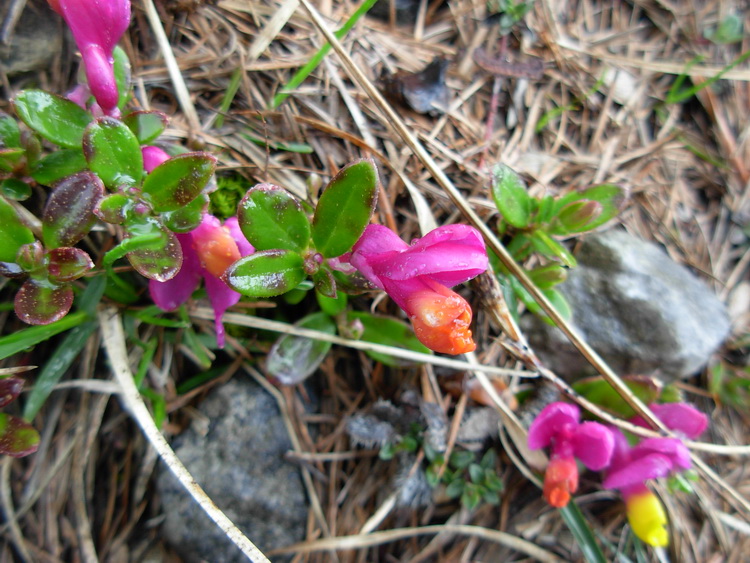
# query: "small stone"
[35,41]
[239,463]
[642,312]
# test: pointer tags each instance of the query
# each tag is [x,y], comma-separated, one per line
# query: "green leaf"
[186,218]
[57,364]
[330,306]
[10,135]
[345,208]
[17,437]
[13,233]
[476,473]
[578,526]
[455,488]
[548,276]
[55,118]
[69,211]
[266,274]
[178,181]
[292,359]
[390,332]
[511,198]
[67,264]
[325,283]
[146,125]
[545,245]
[153,251]
[113,208]
[10,159]
[113,152]
[272,218]
[58,165]
[16,189]
[122,73]
[28,337]
[41,303]
[600,392]
[461,459]
[609,196]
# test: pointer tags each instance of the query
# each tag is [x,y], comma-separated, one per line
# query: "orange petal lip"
[217,252]
[560,481]
[441,319]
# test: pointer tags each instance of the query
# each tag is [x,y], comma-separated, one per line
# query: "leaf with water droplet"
[113,152]
[69,212]
[293,359]
[178,181]
[266,274]
[39,303]
[272,218]
[55,118]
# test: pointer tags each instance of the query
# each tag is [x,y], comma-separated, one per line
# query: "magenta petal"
[221,297]
[593,444]
[671,448]
[553,418]
[651,466]
[680,417]
[171,294]
[375,247]
[96,21]
[153,157]
[101,77]
[245,248]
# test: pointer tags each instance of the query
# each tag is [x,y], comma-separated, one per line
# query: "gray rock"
[239,463]
[642,312]
[36,39]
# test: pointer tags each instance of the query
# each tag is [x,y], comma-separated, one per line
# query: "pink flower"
[652,458]
[207,252]
[153,157]
[558,427]
[97,26]
[418,278]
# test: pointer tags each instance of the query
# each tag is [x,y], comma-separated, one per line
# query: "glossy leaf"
[266,273]
[17,437]
[67,264]
[58,165]
[13,233]
[55,118]
[122,73]
[272,218]
[389,332]
[292,359]
[113,152]
[160,258]
[113,208]
[41,304]
[178,181]
[511,197]
[69,212]
[13,188]
[31,257]
[146,125]
[28,337]
[345,208]
[186,218]
[10,135]
[10,389]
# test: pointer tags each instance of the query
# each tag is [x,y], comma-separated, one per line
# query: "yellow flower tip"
[441,320]
[648,519]
[217,252]
[560,481]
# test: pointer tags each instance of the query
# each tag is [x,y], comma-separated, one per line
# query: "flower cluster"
[419,277]
[627,467]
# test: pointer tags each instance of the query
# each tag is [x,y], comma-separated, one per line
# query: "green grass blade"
[679,94]
[576,522]
[226,102]
[300,76]
[28,337]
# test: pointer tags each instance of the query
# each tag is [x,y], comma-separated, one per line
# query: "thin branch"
[113,338]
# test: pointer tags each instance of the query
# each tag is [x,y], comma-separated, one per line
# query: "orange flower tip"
[441,321]
[217,252]
[558,497]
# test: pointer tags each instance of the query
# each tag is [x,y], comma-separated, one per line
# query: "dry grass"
[608,69]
